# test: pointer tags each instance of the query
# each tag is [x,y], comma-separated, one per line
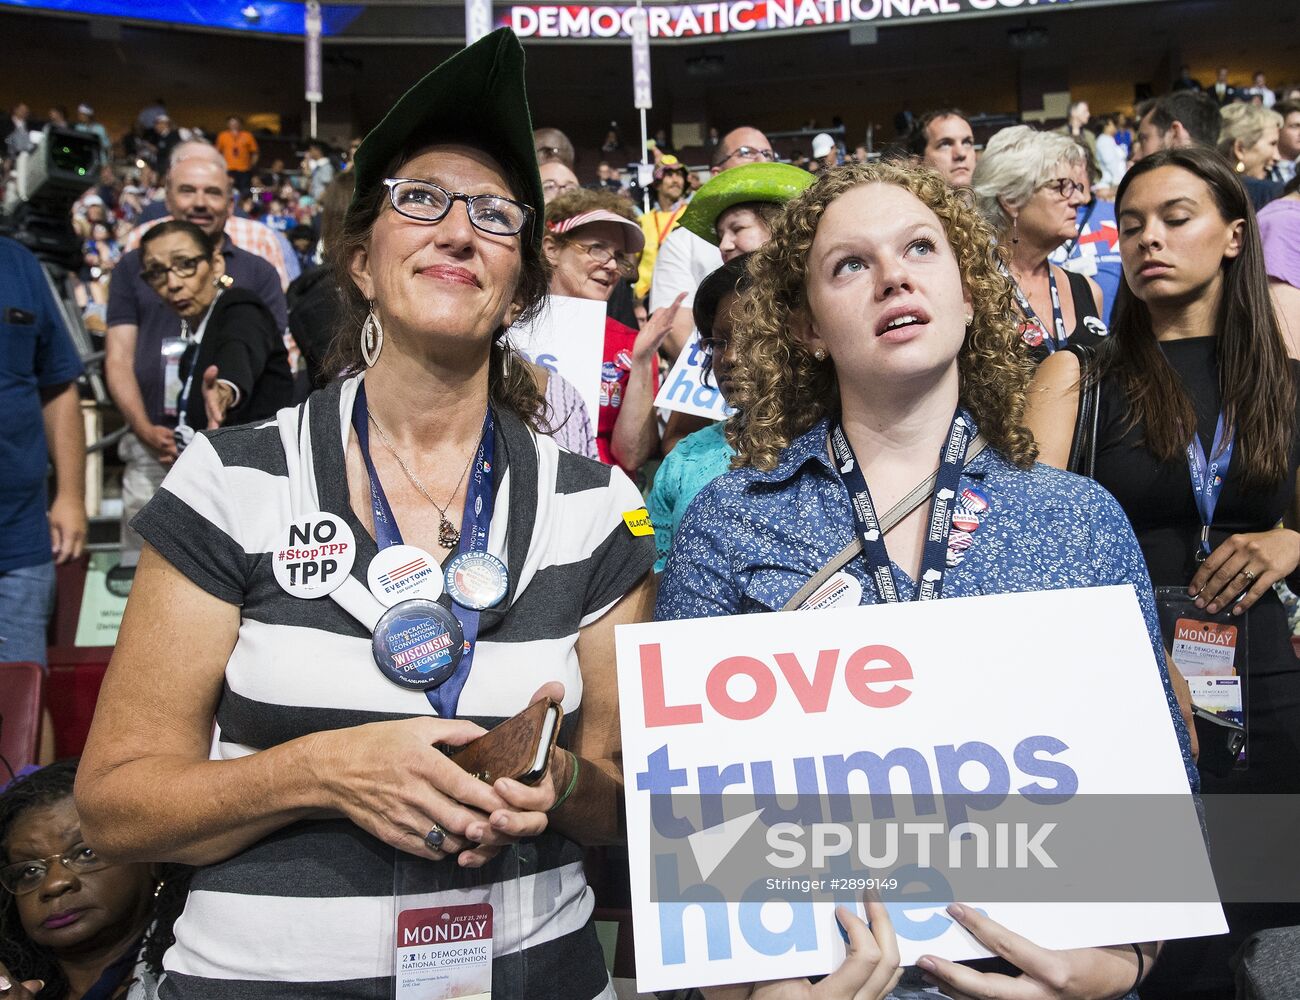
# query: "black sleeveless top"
[1157,496]
[1089,328]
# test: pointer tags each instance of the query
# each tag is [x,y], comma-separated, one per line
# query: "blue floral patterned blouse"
[751,539]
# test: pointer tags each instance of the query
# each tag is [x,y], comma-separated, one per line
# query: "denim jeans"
[26,603]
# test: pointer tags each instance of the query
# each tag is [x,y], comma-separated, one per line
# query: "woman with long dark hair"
[1196,436]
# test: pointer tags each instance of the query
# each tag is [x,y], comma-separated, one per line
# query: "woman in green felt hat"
[734,211]
[299,752]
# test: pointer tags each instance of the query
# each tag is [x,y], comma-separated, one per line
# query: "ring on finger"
[434,838]
[1250,577]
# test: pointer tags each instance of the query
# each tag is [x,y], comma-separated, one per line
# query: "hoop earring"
[372,337]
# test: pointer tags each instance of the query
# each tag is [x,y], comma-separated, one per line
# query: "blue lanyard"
[1056,337]
[1207,478]
[475,524]
[934,557]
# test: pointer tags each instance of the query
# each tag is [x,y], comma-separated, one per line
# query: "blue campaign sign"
[229,15]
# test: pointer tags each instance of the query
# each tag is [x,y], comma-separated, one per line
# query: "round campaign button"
[964,520]
[313,555]
[401,572]
[476,580]
[840,591]
[418,644]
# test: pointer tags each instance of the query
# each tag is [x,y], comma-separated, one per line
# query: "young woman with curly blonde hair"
[879,341]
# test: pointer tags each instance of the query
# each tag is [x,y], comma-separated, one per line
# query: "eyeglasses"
[601,254]
[186,267]
[424,201]
[23,877]
[553,188]
[1065,187]
[748,153]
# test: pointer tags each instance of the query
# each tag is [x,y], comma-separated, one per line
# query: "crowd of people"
[1093,331]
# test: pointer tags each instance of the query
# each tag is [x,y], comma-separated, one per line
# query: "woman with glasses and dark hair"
[234,369]
[592,241]
[333,602]
[1197,377]
[72,924]
[1029,185]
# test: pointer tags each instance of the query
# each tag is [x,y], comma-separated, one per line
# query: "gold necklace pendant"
[448,533]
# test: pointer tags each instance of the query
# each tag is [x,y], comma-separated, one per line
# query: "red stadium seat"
[21,694]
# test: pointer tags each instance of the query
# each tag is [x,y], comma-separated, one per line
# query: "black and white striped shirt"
[310,911]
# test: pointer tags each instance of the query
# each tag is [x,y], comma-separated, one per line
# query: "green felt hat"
[774,182]
[477,97]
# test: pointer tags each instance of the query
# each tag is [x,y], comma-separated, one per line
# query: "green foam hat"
[774,182]
[476,97]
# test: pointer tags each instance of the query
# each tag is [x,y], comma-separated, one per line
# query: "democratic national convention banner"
[1014,753]
[568,336]
[727,17]
[685,389]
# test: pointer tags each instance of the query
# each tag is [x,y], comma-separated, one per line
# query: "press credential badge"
[1204,648]
[445,952]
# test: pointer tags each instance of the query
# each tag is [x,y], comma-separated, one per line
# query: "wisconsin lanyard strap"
[1207,478]
[934,557]
[1055,338]
[445,695]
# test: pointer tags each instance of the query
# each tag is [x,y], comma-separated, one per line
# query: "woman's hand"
[869,970]
[12,989]
[1243,567]
[652,335]
[526,806]
[390,779]
[1080,974]
[218,397]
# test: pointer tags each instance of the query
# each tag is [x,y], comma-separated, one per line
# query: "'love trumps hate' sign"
[950,751]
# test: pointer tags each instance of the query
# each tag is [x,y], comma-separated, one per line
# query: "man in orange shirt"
[240,150]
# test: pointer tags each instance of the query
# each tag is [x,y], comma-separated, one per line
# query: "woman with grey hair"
[1029,186]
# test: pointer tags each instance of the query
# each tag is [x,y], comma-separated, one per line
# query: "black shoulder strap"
[1083,446]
